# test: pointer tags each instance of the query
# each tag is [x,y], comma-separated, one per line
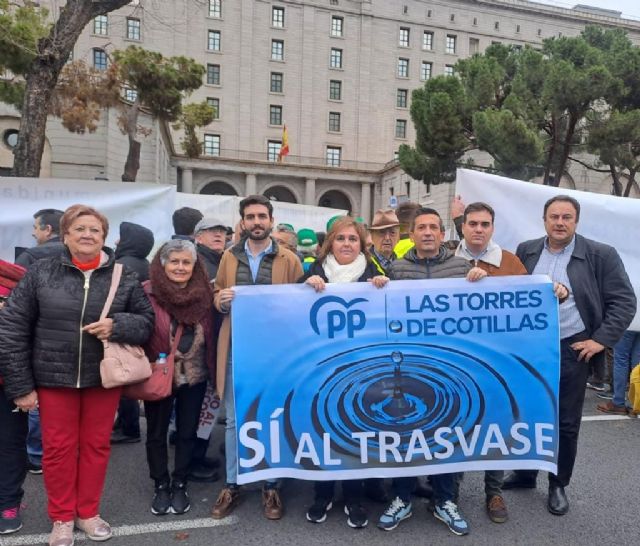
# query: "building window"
[496,25]
[333,156]
[452,18]
[428,13]
[133,28]
[215,8]
[212,145]
[277,80]
[475,21]
[99,59]
[336,58]
[275,115]
[213,40]
[273,149]
[277,50]
[337,24]
[334,122]
[450,46]
[401,98]
[539,32]
[277,17]
[215,104]
[403,37]
[425,71]
[427,40]
[101,25]
[403,68]
[335,90]
[401,128]
[517,28]
[474,46]
[449,70]
[213,74]
[130,95]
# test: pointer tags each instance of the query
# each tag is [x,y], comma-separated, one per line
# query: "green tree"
[193,116]
[39,58]
[158,85]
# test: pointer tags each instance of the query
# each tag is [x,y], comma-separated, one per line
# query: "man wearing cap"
[385,234]
[285,235]
[210,235]
[307,247]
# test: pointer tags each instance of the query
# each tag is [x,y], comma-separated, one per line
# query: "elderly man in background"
[385,234]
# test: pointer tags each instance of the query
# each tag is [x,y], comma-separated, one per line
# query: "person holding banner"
[429,259]
[600,307]
[181,295]
[255,259]
[51,340]
[343,258]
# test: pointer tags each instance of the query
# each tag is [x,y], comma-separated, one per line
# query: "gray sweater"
[445,265]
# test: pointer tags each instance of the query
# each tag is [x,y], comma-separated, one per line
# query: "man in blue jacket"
[600,307]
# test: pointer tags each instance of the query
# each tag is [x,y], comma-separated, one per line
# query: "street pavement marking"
[129,530]
[606,417]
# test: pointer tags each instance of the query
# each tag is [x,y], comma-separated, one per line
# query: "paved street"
[603,496]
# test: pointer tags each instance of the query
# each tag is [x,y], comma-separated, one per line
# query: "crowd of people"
[58,419]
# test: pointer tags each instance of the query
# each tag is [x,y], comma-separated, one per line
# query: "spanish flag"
[284,149]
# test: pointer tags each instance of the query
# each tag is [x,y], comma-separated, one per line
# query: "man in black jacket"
[46,232]
[211,237]
[600,307]
[132,249]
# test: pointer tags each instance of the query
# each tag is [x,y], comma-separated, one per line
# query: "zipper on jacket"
[84,304]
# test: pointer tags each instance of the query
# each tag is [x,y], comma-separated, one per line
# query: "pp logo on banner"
[340,317]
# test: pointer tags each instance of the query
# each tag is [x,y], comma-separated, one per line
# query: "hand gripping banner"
[417,378]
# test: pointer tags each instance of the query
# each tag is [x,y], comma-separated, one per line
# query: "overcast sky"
[627,7]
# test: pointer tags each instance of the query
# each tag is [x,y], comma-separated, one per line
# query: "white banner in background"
[150,205]
[519,205]
[225,208]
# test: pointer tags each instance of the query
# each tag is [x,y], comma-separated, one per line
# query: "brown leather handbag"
[160,384]
[122,364]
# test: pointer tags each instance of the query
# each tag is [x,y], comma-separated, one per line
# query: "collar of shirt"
[384,262]
[260,254]
[491,255]
[567,249]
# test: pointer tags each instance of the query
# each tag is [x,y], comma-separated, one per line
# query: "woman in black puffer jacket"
[51,340]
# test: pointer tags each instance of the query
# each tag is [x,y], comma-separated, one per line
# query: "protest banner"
[605,218]
[150,205]
[420,377]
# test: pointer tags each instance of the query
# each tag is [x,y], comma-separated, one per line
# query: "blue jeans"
[230,440]
[34,438]
[626,355]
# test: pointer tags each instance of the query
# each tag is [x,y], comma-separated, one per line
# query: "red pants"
[76,433]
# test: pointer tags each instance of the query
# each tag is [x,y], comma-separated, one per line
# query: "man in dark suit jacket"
[600,307]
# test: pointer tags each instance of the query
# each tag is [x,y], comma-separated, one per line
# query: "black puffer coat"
[41,342]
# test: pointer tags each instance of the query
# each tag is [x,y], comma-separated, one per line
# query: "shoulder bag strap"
[115,281]
[176,339]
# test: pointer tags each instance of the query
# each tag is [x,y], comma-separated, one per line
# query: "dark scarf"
[187,305]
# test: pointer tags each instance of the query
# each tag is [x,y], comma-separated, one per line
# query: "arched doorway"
[218,188]
[335,199]
[280,193]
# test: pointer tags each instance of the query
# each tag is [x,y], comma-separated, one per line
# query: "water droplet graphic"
[395,326]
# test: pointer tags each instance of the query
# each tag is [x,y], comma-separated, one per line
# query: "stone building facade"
[337,73]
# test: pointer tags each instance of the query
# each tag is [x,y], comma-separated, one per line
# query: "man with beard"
[256,259]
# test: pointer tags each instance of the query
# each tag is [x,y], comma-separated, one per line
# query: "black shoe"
[10,520]
[210,462]
[179,498]
[606,395]
[356,515]
[317,513]
[597,386]
[557,503]
[374,490]
[34,468]
[161,503]
[119,437]
[201,473]
[518,480]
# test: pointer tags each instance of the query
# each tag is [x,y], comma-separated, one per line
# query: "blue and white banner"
[419,377]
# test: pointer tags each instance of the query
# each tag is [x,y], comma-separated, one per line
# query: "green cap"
[307,237]
[332,221]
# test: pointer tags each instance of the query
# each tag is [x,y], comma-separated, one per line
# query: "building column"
[365,202]
[187,180]
[250,185]
[310,192]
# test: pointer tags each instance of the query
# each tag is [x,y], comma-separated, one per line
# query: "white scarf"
[344,273]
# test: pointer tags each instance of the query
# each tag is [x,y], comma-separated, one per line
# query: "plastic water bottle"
[162,358]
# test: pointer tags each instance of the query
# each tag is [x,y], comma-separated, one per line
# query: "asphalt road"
[603,495]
